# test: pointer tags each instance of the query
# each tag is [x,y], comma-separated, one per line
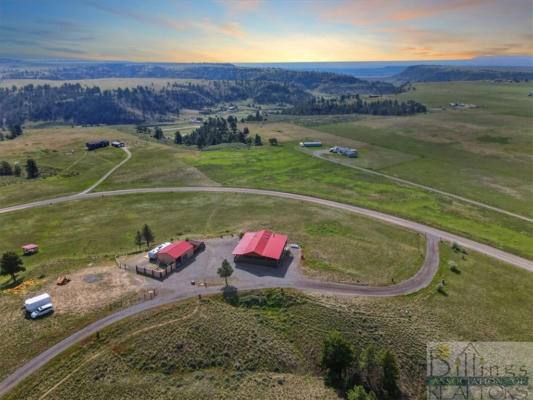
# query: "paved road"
[103,178]
[320,154]
[415,226]
[177,288]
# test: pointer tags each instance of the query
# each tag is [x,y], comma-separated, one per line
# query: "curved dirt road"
[420,280]
[103,178]
[415,226]
[320,154]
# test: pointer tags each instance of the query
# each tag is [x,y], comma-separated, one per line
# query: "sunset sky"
[265,31]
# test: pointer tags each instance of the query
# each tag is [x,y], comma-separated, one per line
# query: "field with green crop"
[258,344]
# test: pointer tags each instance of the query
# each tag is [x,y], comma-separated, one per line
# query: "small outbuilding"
[29,249]
[263,247]
[176,253]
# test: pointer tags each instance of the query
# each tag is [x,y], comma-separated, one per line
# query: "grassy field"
[338,245]
[66,167]
[288,169]
[484,153]
[155,164]
[211,347]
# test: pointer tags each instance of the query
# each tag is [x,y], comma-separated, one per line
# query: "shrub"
[440,289]
[454,267]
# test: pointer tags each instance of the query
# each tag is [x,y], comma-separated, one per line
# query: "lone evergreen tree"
[17,170]
[139,239]
[31,169]
[225,270]
[370,368]
[337,354]
[390,373]
[15,130]
[158,133]
[10,264]
[5,168]
[178,139]
[147,235]
[258,141]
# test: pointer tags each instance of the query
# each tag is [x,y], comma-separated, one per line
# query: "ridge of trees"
[355,105]
[91,105]
[441,73]
[326,82]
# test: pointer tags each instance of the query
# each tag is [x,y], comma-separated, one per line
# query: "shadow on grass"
[230,295]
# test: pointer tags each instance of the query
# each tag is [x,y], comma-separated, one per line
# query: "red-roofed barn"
[263,247]
[176,252]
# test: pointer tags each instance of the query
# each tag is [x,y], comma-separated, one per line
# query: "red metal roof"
[263,243]
[30,246]
[177,249]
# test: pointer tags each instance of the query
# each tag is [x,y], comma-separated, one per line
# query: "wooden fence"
[157,274]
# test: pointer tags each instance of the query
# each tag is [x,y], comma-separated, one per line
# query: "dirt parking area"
[94,287]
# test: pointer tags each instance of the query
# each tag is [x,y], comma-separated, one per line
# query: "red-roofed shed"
[176,252]
[264,247]
[30,249]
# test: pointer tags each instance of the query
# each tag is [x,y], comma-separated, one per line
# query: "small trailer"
[33,303]
[29,249]
[117,144]
[310,144]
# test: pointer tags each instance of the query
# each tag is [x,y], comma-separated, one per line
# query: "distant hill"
[323,82]
[442,73]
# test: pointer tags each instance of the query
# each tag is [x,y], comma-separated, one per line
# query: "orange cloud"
[230,28]
[419,12]
[239,7]
[368,12]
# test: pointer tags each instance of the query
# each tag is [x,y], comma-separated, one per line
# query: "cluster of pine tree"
[219,130]
[89,106]
[32,170]
[355,105]
[371,375]
[326,82]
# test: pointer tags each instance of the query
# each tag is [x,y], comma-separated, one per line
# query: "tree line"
[32,171]
[355,105]
[81,105]
[326,82]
